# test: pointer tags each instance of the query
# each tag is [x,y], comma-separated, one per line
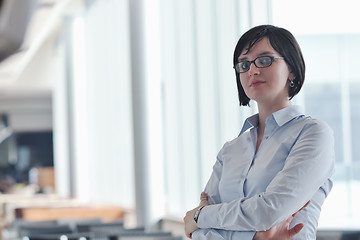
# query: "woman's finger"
[301,208]
[295,230]
[203,196]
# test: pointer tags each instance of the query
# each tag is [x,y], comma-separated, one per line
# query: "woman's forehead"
[261,47]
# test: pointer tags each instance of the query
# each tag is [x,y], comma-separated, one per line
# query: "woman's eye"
[244,65]
[265,60]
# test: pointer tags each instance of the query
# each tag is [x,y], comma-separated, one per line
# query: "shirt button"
[266,137]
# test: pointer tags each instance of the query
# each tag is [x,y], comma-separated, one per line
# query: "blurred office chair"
[150,237]
[99,226]
[79,225]
[19,223]
[72,236]
[44,229]
[350,235]
[338,235]
[111,233]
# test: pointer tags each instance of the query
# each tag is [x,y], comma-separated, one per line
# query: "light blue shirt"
[251,192]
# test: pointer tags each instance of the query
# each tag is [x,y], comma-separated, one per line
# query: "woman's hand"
[281,231]
[190,224]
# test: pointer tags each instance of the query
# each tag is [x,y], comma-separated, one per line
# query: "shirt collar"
[281,117]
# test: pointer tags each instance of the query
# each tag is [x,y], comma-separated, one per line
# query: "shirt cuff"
[208,217]
[243,235]
[214,234]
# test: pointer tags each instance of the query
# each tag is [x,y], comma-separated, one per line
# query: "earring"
[292,84]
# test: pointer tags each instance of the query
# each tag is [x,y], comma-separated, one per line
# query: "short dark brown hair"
[284,43]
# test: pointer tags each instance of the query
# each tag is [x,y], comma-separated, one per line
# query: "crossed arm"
[278,232]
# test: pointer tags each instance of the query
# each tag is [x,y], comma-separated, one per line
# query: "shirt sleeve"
[215,234]
[212,190]
[309,165]
[212,186]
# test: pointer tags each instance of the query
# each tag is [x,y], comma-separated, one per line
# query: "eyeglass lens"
[260,62]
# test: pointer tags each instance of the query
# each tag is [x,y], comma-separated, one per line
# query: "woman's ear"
[291,76]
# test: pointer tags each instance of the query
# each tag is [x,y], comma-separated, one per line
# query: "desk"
[106,213]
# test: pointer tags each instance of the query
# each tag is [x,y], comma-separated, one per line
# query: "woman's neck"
[265,110]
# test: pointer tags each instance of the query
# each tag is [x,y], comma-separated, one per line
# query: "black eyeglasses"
[259,62]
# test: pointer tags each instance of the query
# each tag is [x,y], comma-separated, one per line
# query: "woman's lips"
[256,83]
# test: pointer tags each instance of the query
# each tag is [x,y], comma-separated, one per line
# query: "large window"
[201,109]
[331,91]
[196,85]
[330,94]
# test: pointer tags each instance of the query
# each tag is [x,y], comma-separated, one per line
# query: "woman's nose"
[253,70]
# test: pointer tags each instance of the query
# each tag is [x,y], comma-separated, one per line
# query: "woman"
[281,158]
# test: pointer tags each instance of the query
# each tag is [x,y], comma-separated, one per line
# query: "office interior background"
[131,100]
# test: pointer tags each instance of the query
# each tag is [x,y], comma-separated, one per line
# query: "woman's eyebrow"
[265,53]
[243,58]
